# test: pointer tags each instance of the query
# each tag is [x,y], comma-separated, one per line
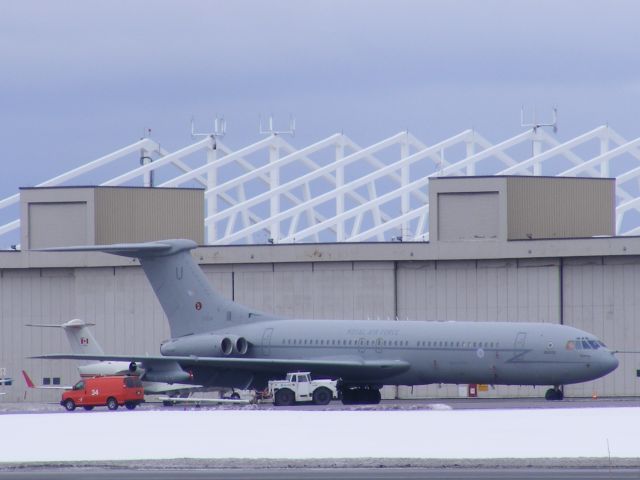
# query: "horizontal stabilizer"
[135,250]
[30,384]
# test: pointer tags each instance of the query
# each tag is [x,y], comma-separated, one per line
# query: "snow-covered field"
[291,434]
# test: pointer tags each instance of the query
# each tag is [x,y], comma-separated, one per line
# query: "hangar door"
[468,216]
[57,224]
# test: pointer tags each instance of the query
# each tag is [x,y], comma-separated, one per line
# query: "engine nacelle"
[168,374]
[240,345]
[205,345]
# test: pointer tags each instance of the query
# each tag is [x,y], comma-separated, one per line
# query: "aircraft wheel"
[70,405]
[348,396]
[322,396]
[130,405]
[112,403]
[375,396]
[88,407]
[554,394]
[168,403]
[234,396]
[284,398]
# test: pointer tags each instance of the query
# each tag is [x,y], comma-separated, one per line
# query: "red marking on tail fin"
[30,384]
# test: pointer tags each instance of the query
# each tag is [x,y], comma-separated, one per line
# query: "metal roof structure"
[335,190]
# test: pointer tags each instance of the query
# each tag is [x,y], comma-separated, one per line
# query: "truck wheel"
[284,398]
[130,405]
[88,407]
[70,405]
[112,403]
[322,396]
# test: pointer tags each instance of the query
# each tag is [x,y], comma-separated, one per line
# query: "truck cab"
[300,387]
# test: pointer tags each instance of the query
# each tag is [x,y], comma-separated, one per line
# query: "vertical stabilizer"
[188,300]
[80,337]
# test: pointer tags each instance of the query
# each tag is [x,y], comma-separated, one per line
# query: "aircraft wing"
[336,367]
[30,384]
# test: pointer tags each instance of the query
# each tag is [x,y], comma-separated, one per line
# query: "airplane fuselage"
[498,353]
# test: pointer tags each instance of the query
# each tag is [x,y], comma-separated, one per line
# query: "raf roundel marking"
[198,306]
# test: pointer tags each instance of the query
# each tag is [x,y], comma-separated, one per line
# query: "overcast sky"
[79,79]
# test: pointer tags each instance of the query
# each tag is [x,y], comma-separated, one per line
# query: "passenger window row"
[389,343]
[458,344]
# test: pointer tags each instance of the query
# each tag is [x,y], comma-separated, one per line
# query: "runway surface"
[444,403]
[330,474]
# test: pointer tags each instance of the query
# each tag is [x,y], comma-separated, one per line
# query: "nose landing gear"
[554,394]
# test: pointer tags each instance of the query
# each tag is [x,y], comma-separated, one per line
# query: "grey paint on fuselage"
[204,324]
[438,352]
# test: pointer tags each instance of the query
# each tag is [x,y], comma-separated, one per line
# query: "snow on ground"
[291,434]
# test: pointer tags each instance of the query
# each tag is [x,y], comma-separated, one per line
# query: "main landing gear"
[360,395]
[554,394]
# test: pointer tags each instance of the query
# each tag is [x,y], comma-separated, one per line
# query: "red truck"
[112,391]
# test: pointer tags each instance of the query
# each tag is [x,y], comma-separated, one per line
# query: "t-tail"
[80,337]
[188,300]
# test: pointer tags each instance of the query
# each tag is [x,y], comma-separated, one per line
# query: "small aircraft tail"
[30,384]
[80,337]
[28,380]
[188,300]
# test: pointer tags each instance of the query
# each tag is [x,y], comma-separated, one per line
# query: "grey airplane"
[217,342]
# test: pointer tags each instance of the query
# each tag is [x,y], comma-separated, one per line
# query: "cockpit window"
[594,344]
[584,343]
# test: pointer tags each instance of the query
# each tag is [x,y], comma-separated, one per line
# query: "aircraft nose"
[608,362]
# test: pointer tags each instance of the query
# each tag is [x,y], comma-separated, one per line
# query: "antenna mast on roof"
[536,141]
[219,129]
[271,130]
[535,125]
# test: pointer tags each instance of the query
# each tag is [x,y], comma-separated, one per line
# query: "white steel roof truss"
[373,205]
[402,204]
[365,180]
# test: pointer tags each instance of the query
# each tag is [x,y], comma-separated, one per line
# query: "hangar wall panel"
[560,207]
[601,297]
[510,290]
[151,214]
[293,295]
[33,296]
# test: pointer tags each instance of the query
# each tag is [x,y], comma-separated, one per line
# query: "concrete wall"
[600,294]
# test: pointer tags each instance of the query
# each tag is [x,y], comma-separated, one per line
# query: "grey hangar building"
[499,248]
